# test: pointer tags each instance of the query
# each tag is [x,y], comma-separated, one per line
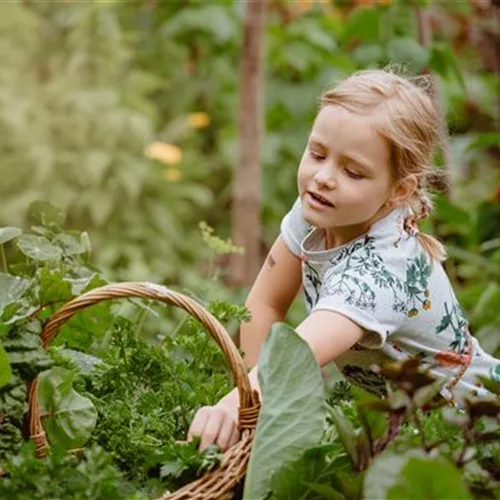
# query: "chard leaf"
[9,233]
[293,409]
[5,369]
[38,248]
[326,491]
[385,472]
[69,418]
[433,479]
[314,467]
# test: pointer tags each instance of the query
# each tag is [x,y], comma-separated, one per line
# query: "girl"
[374,285]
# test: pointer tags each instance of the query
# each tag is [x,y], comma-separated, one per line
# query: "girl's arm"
[270,297]
[329,334]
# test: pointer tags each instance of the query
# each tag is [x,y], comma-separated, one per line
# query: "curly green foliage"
[146,394]
[63,476]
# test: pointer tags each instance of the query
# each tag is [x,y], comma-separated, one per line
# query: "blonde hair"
[403,112]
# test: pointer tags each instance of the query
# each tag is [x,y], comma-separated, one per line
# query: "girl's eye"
[316,156]
[354,175]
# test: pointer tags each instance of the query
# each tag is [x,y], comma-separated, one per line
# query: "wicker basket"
[218,483]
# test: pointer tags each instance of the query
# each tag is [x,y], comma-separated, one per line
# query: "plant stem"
[4,260]
[418,424]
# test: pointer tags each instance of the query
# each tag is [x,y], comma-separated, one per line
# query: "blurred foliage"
[125,114]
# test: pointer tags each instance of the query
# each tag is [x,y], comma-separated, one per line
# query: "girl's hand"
[215,425]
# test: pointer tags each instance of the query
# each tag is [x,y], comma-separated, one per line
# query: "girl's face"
[344,176]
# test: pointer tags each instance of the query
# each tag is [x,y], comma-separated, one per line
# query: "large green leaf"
[9,233]
[69,418]
[45,213]
[363,23]
[293,409]
[11,289]
[5,369]
[314,469]
[407,50]
[38,248]
[444,62]
[384,472]
[432,479]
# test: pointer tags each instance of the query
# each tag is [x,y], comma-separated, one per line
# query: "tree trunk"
[246,201]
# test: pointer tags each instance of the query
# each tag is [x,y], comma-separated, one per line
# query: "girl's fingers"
[235,436]
[226,432]
[199,422]
[212,428]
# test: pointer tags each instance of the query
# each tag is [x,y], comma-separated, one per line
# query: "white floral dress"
[386,283]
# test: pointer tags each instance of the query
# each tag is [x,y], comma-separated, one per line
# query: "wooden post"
[246,200]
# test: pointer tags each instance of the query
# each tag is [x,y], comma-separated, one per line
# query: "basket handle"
[249,399]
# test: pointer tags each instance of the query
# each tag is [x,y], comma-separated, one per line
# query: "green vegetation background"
[124,114]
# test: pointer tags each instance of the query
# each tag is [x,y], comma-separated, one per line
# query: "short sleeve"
[369,293]
[294,228]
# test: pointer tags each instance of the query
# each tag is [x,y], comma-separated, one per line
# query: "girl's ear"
[403,190]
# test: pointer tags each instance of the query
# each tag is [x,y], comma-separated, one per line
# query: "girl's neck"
[338,236]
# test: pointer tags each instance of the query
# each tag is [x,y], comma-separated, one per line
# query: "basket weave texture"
[215,484]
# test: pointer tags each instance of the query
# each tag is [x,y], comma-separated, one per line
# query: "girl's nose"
[325,178]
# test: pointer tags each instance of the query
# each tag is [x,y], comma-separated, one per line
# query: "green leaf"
[44,213]
[69,418]
[9,233]
[5,369]
[407,50]
[53,287]
[38,248]
[326,491]
[373,421]
[368,54]
[347,433]
[212,20]
[11,289]
[432,479]
[86,363]
[444,62]
[384,472]
[292,413]
[363,24]
[312,467]
[485,140]
[491,384]
[70,244]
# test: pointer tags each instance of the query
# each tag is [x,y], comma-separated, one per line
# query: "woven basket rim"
[232,469]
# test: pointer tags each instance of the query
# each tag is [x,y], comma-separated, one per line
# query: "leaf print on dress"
[454,318]
[495,373]
[418,274]
[311,276]
[361,258]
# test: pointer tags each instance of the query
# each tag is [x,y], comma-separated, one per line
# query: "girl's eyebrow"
[314,142]
[360,160]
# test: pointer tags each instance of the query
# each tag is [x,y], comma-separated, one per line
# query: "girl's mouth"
[318,199]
